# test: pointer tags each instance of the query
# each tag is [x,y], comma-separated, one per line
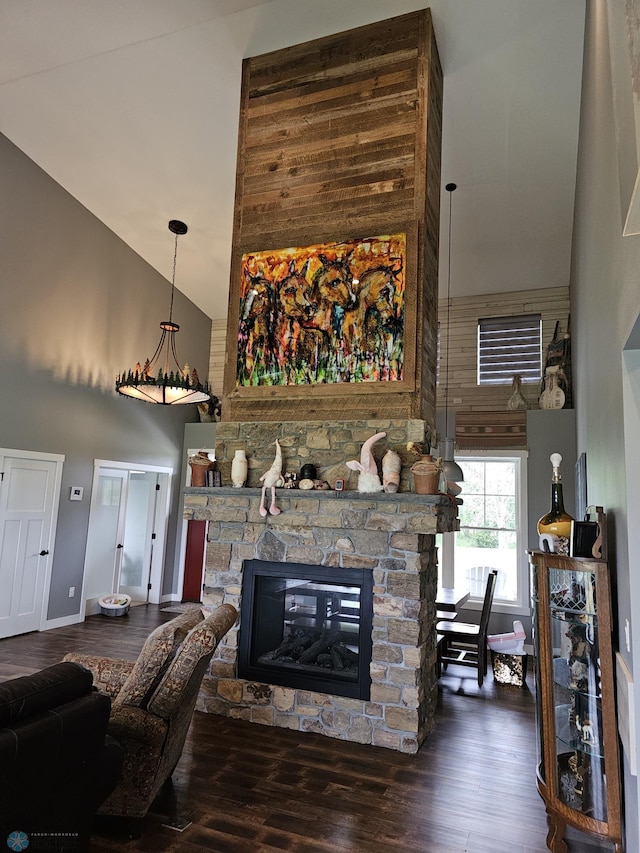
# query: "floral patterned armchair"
[153,700]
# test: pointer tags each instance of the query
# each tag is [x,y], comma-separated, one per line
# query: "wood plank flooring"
[248,788]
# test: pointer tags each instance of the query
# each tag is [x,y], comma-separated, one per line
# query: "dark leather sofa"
[56,763]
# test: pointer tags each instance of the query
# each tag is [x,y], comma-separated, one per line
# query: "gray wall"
[605,306]
[78,306]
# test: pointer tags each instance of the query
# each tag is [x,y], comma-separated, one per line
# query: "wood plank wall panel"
[431,74]
[340,138]
[464,392]
[217,353]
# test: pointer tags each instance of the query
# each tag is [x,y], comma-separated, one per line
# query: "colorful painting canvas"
[328,313]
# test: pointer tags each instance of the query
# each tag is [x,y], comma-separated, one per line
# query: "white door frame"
[58,459]
[161,520]
[628,715]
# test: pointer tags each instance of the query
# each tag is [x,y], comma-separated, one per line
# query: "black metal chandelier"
[161,380]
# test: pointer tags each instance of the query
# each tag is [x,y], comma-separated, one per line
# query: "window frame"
[446,569]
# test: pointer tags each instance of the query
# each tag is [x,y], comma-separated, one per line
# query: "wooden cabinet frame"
[555,603]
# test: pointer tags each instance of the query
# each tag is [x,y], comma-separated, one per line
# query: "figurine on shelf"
[579,675]
[391,467]
[587,732]
[577,634]
[270,479]
[369,479]
[290,480]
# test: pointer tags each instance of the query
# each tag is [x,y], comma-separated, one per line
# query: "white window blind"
[509,345]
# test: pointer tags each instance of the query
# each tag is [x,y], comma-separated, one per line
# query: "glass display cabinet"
[578,767]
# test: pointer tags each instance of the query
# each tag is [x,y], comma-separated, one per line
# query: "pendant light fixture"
[451,468]
[162,380]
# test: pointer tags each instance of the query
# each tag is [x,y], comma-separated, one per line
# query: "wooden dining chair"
[465,643]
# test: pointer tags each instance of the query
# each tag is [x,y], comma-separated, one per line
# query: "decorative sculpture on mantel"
[391,468]
[369,479]
[270,479]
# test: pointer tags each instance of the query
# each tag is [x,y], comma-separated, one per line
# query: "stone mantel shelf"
[325,508]
[325,494]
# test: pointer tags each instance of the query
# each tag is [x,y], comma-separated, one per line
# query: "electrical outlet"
[72,591]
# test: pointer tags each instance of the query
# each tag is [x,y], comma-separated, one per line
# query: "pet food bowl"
[114,604]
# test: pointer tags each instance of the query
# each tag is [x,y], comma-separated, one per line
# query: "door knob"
[43,553]
[119,546]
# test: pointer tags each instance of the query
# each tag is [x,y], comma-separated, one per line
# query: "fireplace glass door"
[306,627]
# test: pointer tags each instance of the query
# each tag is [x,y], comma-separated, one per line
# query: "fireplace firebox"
[306,627]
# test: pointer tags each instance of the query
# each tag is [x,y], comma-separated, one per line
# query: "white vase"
[239,467]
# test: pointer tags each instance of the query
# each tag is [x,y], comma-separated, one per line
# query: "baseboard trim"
[62,621]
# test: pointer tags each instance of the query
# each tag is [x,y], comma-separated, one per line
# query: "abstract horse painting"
[328,313]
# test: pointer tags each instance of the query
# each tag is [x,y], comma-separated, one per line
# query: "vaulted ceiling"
[132,106]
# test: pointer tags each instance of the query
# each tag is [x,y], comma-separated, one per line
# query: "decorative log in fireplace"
[306,627]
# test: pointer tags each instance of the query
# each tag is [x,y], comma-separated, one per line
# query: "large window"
[493,530]
[509,345]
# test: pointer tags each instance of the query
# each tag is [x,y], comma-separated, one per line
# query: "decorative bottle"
[517,399]
[239,468]
[554,528]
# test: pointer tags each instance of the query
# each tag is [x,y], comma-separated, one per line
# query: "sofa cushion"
[158,650]
[33,694]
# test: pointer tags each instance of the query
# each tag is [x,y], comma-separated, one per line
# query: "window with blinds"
[509,345]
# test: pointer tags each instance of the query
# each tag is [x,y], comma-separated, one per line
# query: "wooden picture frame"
[266,325]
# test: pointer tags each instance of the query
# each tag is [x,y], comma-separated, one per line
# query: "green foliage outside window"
[477,539]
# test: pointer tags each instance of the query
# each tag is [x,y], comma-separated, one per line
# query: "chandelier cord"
[173,277]
[450,188]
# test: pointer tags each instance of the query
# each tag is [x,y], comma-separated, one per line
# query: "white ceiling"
[132,106]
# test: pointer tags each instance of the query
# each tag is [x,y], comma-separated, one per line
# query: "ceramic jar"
[426,475]
[391,467]
[200,464]
[239,468]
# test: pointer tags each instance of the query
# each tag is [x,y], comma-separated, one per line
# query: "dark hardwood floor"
[245,788]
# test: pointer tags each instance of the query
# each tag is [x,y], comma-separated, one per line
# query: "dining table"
[451,598]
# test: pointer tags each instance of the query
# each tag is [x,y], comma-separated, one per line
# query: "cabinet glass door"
[577,692]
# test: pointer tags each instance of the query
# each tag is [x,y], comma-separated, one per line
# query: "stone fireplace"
[392,536]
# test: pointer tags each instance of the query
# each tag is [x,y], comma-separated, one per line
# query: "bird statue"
[270,479]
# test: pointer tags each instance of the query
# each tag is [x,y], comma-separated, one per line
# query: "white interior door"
[135,565]
[105,539]
[29,491]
